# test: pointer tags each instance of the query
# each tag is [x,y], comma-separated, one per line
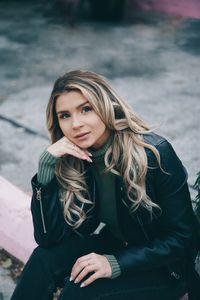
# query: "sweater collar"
[97,153]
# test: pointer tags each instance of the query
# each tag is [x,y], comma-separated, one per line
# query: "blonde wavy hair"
[126,156]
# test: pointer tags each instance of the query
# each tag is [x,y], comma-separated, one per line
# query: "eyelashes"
[85,109]
[64,116]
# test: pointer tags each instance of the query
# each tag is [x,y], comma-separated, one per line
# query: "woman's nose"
[76,122]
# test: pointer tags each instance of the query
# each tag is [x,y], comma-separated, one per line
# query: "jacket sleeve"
[48,220]
[174,238]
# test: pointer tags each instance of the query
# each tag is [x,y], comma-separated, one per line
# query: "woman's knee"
[73,291]
[40,258]
[41,253]
[51,261]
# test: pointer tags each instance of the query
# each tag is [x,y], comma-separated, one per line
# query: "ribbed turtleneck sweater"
[106,189]
[105,186]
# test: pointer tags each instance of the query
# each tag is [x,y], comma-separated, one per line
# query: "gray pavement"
[153,63]
[6,284]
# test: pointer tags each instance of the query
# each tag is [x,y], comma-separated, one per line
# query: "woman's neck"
[102,140]
[97,152]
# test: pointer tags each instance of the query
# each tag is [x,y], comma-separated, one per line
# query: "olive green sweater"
[105,188]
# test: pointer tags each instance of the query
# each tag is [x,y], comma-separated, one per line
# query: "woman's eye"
[64,116]
[86,109]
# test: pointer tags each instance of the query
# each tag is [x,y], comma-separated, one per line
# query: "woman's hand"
[65,146]
[98,264]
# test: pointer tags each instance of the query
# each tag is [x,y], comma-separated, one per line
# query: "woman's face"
[79,122]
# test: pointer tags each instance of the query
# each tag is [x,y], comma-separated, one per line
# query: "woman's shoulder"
[154,139]
[166,151]
[169,159]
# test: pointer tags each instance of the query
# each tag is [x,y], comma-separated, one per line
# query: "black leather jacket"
[165,240]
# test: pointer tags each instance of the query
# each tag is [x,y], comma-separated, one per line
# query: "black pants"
[49,268]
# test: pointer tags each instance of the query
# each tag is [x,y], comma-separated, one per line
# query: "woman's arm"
[48,220]
[46,167]
[175,227]
[47,211]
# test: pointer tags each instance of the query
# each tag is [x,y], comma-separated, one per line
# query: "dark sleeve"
[47,214]
[175,234]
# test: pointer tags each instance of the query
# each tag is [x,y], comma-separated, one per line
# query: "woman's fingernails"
[76,281]
[82,284]
[71,278]
[90,154]
[87,158]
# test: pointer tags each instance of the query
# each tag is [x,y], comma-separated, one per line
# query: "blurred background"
[149,50]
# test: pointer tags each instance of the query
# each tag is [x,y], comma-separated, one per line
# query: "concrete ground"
[153,63]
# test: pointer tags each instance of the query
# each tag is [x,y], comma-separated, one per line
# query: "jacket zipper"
[39,198]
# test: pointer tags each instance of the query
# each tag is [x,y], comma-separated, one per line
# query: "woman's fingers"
[81,151]
[88,153]
[77,152]
[87,269]
[64,146]
[93,263]
[79,265]
[92,278]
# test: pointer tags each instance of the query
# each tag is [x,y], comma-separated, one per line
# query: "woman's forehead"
[70,101]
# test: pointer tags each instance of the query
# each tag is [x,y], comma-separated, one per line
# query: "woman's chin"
[84,145]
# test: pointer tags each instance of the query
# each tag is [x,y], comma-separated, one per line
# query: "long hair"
[126,156]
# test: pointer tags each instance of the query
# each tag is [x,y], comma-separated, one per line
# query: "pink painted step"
[184,8]
[16,229]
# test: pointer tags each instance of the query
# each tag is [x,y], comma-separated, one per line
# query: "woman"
[111,208]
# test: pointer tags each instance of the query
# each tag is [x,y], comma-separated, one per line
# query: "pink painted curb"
[184,8]
[16,229]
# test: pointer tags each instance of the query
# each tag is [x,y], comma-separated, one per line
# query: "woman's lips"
[82,136]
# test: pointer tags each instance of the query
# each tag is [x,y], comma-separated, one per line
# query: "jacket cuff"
[116,271]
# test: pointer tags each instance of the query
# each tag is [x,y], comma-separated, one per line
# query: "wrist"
[54,153]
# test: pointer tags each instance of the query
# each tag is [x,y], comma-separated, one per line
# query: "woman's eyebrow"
[64,111]
[81,104]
